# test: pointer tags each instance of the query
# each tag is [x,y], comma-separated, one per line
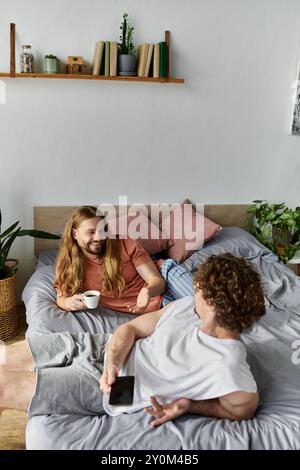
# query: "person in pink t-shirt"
[120,269]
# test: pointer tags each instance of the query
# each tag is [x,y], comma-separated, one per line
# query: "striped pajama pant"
[179,282]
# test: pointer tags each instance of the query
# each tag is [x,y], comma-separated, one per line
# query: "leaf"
[39,234]
[6,247]
[8,237]
[9,230]
[266,232]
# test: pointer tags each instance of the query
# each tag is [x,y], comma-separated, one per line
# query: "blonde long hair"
[70,261]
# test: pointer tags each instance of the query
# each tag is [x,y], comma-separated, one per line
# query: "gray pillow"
[234,240]
[46,258]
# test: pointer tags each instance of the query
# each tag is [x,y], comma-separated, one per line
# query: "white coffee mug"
[91,298]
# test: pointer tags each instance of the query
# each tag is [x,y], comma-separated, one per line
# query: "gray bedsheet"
[269,343]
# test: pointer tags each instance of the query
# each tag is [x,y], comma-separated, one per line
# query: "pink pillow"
[144,230]
[188,229]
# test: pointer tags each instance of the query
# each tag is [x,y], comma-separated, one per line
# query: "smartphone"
[122,391]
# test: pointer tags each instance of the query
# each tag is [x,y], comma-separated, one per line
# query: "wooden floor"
[13,423]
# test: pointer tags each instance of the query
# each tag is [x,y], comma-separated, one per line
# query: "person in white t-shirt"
[186,357]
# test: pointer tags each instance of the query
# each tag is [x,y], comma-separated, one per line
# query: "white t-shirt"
[179,360]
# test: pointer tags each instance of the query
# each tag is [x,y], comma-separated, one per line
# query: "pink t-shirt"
[132,255]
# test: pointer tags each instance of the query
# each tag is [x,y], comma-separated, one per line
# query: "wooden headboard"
[52,219]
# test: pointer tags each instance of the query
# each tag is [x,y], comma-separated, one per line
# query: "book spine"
[113,58]
[140,57]
[98,57]
[149,59]
[162,59]
[107,59]
[144,59]
[156,61]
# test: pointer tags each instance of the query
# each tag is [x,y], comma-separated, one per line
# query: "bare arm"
[224,408]
[122,342]
[155,286]
[241,404]
[150,274]
[234,406]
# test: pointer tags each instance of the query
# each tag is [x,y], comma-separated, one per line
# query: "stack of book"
[105,58]
[152,60]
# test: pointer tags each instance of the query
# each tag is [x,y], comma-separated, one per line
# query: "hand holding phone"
[122,391]
[108,378]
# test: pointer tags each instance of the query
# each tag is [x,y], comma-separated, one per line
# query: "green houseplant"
[276,226]
[8,268]
[126,57]
[6,240]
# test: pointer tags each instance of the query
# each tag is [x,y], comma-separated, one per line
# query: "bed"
[271,345]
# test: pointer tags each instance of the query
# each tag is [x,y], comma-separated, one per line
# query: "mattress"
[271,353]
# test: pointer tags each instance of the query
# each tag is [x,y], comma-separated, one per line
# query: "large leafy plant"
[126,45]
[6,240]
[276,226]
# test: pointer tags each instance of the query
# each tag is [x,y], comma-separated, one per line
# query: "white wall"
[222,137]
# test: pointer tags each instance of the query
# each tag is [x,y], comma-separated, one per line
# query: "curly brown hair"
[233,287]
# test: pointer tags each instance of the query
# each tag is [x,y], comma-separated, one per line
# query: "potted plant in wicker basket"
[276,226]
[8,268]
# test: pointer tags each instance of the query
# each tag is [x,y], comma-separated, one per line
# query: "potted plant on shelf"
[8,268]
[276,226]
[126,56]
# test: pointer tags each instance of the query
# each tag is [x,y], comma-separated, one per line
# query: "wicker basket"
[8,308]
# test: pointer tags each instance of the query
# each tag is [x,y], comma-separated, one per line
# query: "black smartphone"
[122,391]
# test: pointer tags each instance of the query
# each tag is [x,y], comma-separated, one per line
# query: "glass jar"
[26,59]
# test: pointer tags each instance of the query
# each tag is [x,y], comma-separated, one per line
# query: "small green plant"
[127,42]
[6,240]
[276,226]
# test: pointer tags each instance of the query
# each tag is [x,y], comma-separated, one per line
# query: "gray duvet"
[272,353]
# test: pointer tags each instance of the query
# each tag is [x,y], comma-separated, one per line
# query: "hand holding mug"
[91,298]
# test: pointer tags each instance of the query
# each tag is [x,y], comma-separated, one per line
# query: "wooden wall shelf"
[13,74]
[93,77]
